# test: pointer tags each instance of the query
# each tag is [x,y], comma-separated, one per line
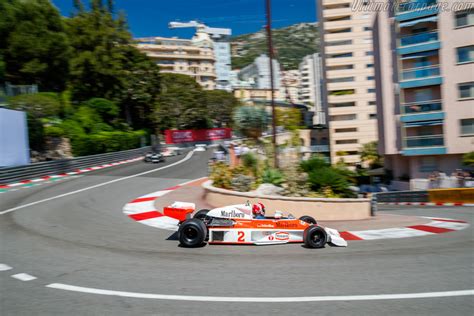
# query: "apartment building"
[193,57]
[348,77]
[290,85]
[310,70]
[258,73]
[425,91]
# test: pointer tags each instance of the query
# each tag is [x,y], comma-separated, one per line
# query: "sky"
[151,17]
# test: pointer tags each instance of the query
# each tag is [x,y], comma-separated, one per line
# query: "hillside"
[292,43]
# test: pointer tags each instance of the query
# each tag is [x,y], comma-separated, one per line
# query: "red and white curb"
[142,209]
[31,182]
[427,204]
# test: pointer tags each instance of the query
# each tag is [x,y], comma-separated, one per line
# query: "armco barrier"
[402,196]
[12,174]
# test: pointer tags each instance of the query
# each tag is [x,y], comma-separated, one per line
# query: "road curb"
[142,209]
[426,204]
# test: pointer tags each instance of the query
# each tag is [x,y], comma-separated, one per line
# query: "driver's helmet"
[258,209]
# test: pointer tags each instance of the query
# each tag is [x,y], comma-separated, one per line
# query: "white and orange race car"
[235,225]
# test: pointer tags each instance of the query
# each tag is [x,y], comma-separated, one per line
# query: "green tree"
[370,155]
[39,105]
[251,120]
[290,118]
[468,159]
[35,47]
[181,104]
[220,106]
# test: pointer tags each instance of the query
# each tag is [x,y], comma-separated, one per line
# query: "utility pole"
[271,56]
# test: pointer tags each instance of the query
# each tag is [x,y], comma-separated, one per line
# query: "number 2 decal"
[241,236]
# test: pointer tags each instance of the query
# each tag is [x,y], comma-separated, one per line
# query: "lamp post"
[271,55]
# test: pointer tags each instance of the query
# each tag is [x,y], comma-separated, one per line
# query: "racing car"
[154,157]
[235,225]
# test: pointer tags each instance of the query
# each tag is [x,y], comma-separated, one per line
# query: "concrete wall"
[319,208]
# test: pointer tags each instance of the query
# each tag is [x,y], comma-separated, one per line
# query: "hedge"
[104,142]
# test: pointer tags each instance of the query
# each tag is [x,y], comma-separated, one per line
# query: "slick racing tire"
[315,237]
[192,233]
[308,219]
[201,214]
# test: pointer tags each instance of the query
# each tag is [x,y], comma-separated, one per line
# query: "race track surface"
[84,240]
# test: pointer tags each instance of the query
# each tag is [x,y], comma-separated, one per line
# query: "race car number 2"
[240,236]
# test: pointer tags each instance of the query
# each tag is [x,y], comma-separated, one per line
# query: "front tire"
[192,233]
[315,237]
[308,219]
[201,214]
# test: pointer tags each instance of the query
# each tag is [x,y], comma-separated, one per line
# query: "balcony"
[420,38]
[412,5]
[413,9]
[424,141]
[420,72]
[421,107]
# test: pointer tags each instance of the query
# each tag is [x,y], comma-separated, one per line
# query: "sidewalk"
[193,192]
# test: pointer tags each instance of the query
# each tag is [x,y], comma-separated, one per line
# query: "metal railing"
[421,72]
[424,141]
[420,38]
[411,5]
[13,174]
[422,107]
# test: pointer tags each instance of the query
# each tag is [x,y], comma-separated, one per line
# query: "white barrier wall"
[14,147]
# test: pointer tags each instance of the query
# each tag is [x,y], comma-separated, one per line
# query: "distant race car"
[154,157]
[235,225]
[171,151]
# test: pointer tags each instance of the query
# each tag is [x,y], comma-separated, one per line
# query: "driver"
[258,211]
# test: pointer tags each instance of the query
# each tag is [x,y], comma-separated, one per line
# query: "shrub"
[53,131]
[250,161]
[242,183]
[103,142]
[273,176]
[221,175]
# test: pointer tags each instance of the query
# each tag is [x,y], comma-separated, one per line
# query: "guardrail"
[12,174]
[402,196]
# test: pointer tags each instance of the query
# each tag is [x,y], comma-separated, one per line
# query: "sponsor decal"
[232,213]
[282,235]
[265,226]
[284,224]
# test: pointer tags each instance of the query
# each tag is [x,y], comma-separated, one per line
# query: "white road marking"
[24,277]
[4,267]
[89,290]
[188,156]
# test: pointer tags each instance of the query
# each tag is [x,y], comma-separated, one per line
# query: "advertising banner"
[186,136]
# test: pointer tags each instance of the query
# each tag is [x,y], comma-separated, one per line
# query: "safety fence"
[12,174]
[437,196]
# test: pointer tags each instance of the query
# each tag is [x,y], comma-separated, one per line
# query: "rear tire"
[201,214]
[308,219]
[315,237]
[192,233]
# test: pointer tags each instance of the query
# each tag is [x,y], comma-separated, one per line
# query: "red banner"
[188,135]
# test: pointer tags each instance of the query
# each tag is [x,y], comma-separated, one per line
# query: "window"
[372,103]
[339,18]
[373,116]
[466,90]
[467,127]
[370,53]
[346,141]
[464,18]
[340,67]
[341,105]
[344,30]
[428,164]
[343,117]
[344,79]
[337,43]
[343,55]
[465,54]
[370,78]
[342,92]
[370,65]
[346,130]
[367,28]
[371,90]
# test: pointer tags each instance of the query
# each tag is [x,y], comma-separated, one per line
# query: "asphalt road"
[83,239]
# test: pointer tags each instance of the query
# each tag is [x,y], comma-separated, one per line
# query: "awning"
[420,55]
[423,123]
[414,22]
